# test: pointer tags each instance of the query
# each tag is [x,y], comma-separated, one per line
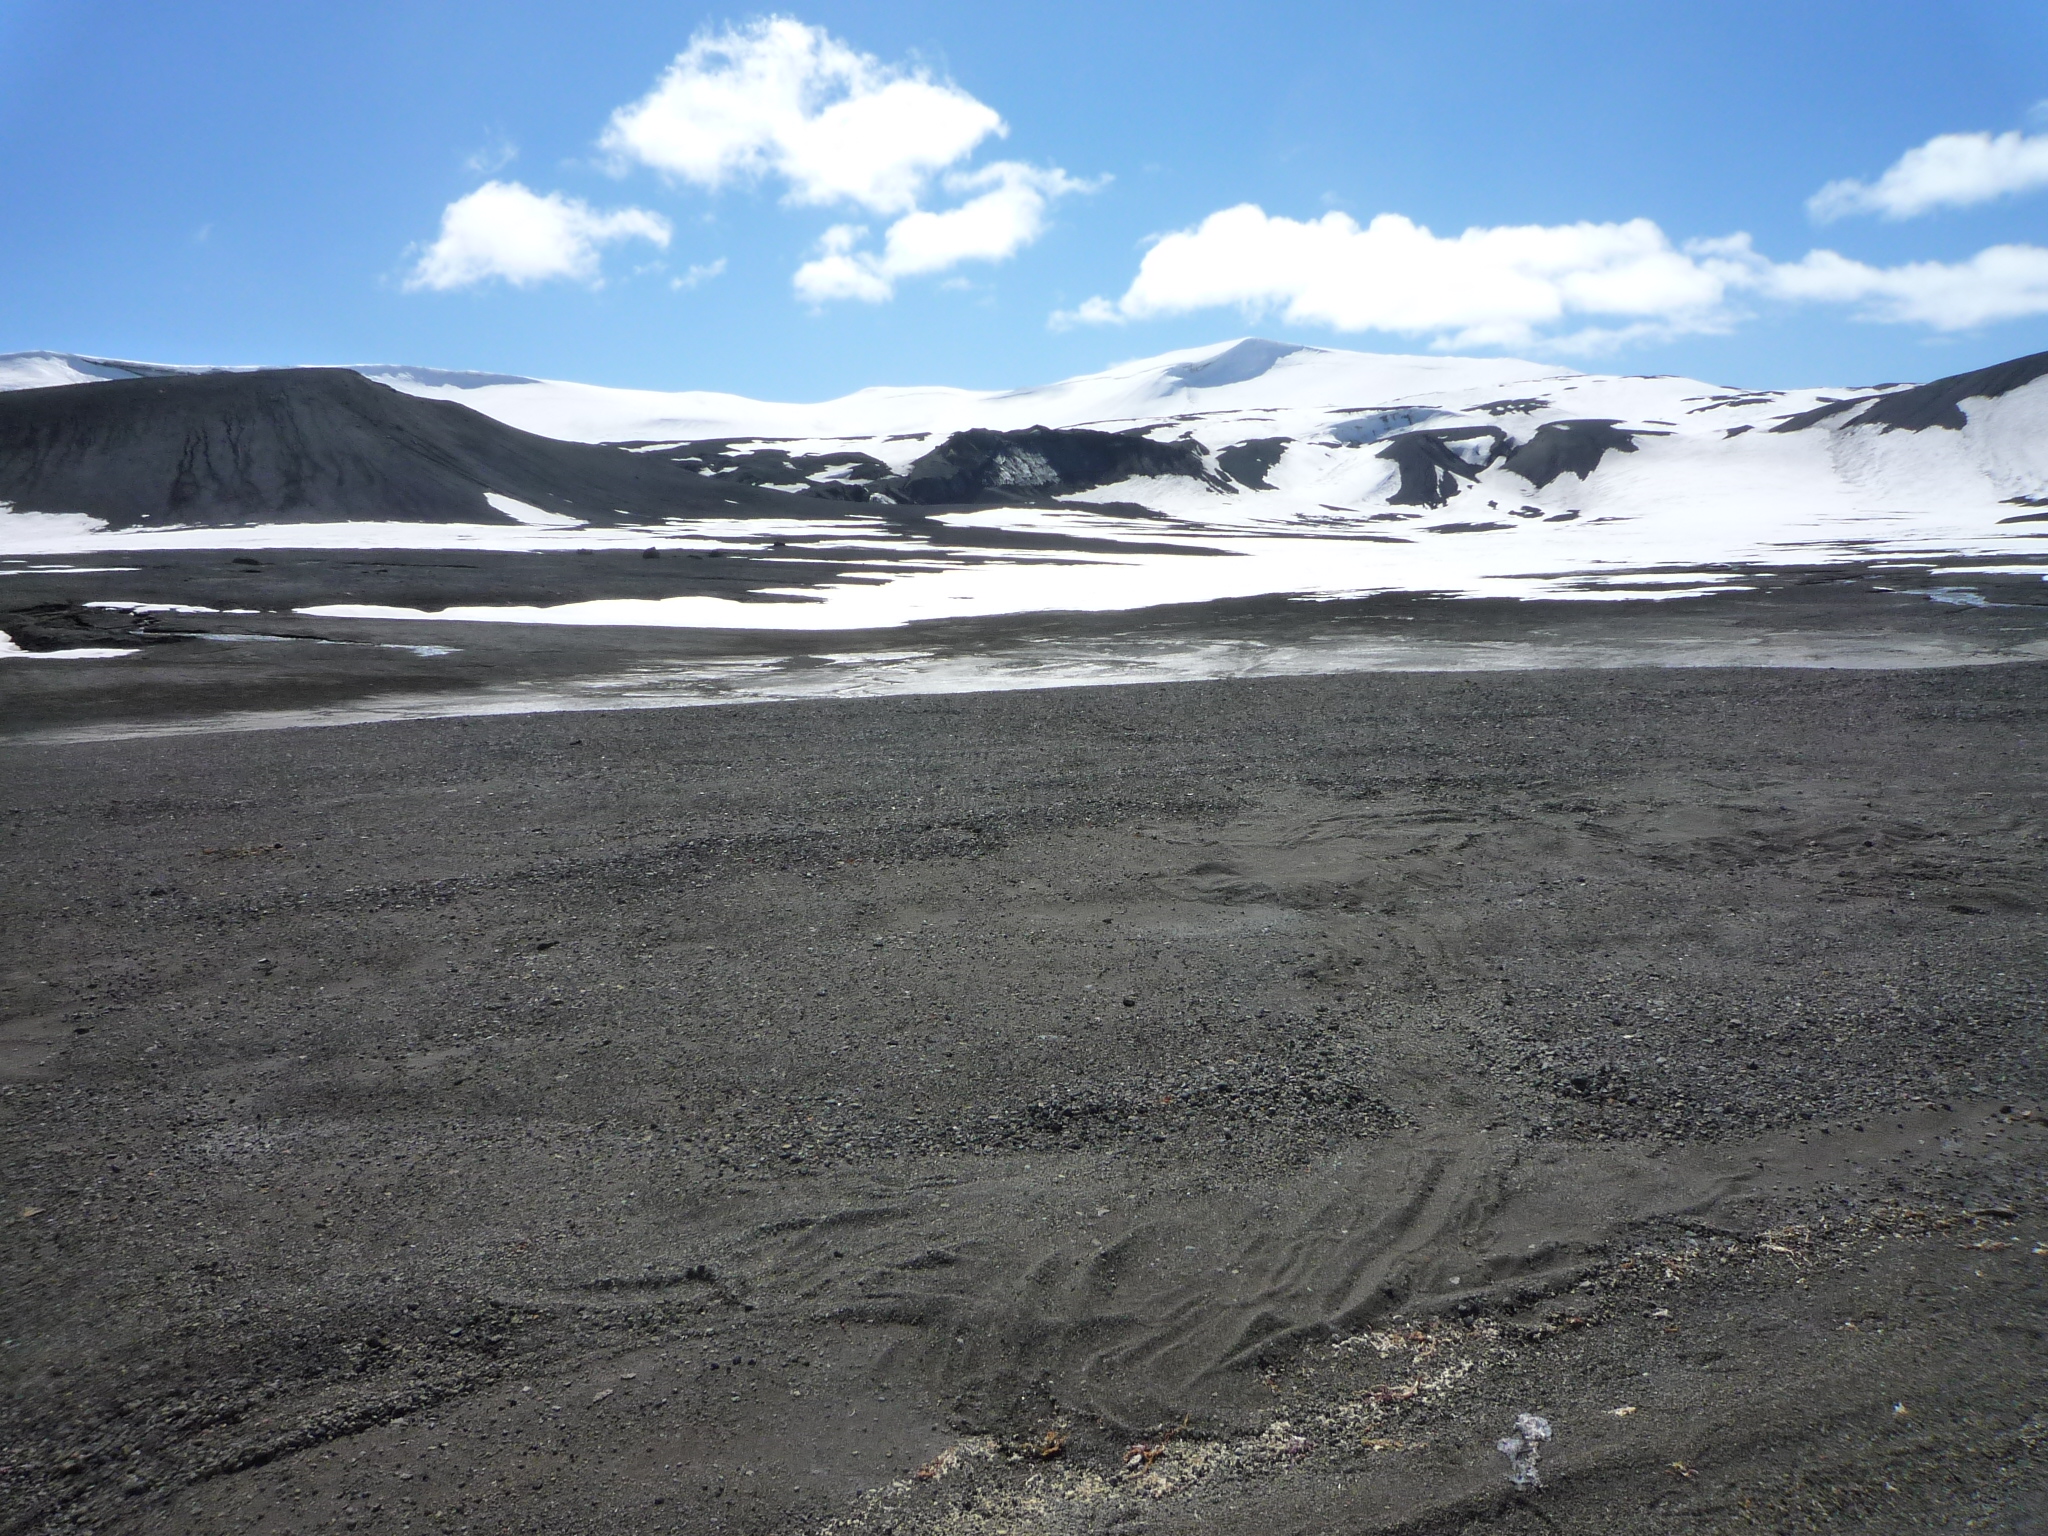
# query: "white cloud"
[1954,170]
[781,98]
[1095,311]
[493,158]
[2004,282]
[1567,288]
[1008,215]
[838,272]
[505,231]
[1486,287]
[698,274]
[839,128]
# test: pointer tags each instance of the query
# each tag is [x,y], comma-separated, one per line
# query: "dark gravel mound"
[1937,404]
[1570,448]
[1430,471]
[982,466]
[315,445]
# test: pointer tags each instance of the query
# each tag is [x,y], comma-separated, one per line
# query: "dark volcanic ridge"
[1935,404]
[329,445]
[319,445]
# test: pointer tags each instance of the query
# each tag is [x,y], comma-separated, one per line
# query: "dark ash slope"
[1936,404]
[1430,469]
[1248,462]
[1572,448]
[316,445]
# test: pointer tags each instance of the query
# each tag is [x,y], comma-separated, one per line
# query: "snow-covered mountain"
[1333,471]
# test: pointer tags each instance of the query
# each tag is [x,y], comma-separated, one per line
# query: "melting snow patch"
[9,651]
[1523,1449]
[66,570]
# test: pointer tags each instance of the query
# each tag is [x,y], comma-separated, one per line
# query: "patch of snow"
[681,534]
[41,370]
[65,570]
[160,608]
[9,651]
[1372,426]
[531,516]
[43,533]
[397,374]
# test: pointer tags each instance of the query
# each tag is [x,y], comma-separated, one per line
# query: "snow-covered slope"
[1243,375]
[1520,465]
[39,370]
[1323,471]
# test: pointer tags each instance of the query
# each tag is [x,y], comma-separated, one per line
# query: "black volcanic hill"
[982,467]
[319,444]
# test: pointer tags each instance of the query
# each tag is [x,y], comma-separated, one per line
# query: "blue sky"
[1004,193]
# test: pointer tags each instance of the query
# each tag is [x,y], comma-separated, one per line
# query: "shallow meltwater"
[1072,663]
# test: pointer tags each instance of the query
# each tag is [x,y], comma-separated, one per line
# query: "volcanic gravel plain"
[1217,1106]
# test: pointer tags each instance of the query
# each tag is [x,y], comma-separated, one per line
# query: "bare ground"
[1210,1107]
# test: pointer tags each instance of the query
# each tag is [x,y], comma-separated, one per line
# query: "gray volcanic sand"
[1217,1106]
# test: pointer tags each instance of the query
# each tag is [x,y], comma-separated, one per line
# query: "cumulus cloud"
[1953,170]
[1486,287]
[2004,282]
[781,98]
[1008,213]
[503,230]
[1570,287]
